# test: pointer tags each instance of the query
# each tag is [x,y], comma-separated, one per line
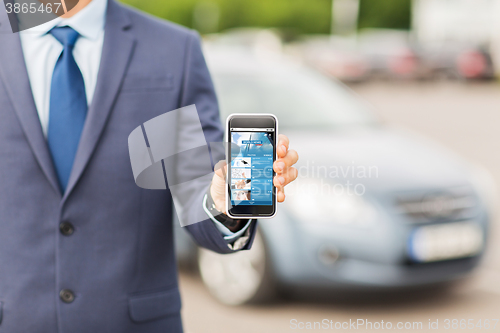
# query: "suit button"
[67,296]
[66,228]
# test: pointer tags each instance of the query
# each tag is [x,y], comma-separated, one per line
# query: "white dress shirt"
[41,52]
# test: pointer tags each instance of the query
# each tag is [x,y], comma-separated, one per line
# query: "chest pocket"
[147,83]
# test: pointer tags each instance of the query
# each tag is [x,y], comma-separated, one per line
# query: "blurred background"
[393,106]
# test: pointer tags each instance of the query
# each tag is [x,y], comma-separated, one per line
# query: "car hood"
[383,159]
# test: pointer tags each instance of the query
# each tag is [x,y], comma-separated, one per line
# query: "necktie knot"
[67,36]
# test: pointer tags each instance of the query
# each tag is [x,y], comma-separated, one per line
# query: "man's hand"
[285,173]
[218,187]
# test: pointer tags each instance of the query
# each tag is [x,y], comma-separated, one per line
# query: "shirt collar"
[89,22]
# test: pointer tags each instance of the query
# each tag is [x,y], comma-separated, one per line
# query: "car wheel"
[238,278]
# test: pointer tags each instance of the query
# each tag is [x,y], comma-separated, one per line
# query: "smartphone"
[251,152]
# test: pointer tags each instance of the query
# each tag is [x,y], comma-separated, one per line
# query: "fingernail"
[283,148]
[280,165]
[282,180]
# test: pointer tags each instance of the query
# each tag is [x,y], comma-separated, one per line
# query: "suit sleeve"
[198,89]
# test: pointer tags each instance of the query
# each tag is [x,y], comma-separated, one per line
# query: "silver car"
[374,206]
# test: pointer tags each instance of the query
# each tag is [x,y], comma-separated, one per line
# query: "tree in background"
[391,14]
[302,16]
[305,16]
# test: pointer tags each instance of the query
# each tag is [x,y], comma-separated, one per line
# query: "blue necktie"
[68,106]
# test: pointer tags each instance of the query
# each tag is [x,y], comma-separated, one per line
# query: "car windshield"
[299,98]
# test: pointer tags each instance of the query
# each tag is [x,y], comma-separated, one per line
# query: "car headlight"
[317,201]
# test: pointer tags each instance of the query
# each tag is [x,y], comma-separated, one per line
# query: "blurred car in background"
[373,207]
[333,55]
[458,38]
[371,54]
[457,60]
[392,54]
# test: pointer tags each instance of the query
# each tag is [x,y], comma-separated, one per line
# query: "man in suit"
[82,248]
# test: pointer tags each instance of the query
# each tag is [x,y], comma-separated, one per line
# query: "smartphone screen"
[250,182]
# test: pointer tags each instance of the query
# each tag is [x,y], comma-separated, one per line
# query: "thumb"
[218,188]
[221,169]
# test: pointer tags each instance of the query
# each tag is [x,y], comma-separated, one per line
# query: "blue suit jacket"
[120,260]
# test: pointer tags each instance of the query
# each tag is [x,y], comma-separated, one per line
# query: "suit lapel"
[117,52]
[15,77]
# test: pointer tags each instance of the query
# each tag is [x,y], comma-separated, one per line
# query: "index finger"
[283,141]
